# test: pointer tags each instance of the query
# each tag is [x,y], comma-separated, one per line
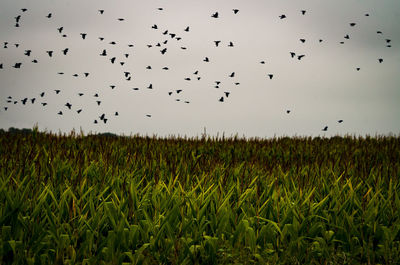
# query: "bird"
[270,76]
[102,116]
[50,53]
[217,42]
[44,104]
[172,35]
[358,68]
[215,15]
[79,111]
[237,83]
[325,129]
[169,93]
[163,51]
[112,42]
[127,74]
[380,60]
[33,100]
[113,59]
[160,8]
[379,32]
[150,86]
[340,121]
[57,91]
[83,35]
[49,15]
[116,113]
[186,29]
[235,11]
[303,40]
[230,44]
[17,18]
[183,48]
[288,111]
[221,99]
[42,94]
[121,19]
[24,9]
[86,74]
[148,67]
[187,79]
[60,113]
[27,52]
[148,115]
[300,56]
[388,40]
[352,24]
[282,16]
[80,94]
[105,121]
[17,65]
[112,86]
[68,105]
[101,38]
[196,72]
[98,102]
[24,101]
[95,122]
[206,59]
[347,36]
[232,74]
[96,95]
[165,32]
[165,68]
[60,29]
[65,51]
[104,53]
[154,26]
[135,88]
[227,94]
[303,12]
[292,54]
[178,91]
[60,73]
[262,62]
[75,75]
[101,11]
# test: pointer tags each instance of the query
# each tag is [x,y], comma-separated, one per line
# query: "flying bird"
[325,129]
[83,35]
[232,74]
[235,11]
[50,53]
[221,99]
[150,86]
[303,12]
[300,56]
[17,65]
[79,111]
[101,11]
[230,44]
[49,15]
[215,15]
[206,59]
[65,51]
[288,111]
[28,52]
[187,29]
[163,51]
[282,16]
[68,105]
[303,40]
[380,60]
[154,26]
[352,24]
[57,91]
[270,76]
[292,54]
[340,121]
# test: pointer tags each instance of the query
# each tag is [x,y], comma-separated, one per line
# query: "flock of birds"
[162,45]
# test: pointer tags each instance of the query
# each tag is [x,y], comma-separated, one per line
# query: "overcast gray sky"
[320,89]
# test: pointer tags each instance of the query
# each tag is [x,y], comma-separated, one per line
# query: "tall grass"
[72,199]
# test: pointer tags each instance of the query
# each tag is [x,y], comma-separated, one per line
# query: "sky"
[320,89]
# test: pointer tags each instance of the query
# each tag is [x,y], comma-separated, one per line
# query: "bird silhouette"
[292,54]
[215,15]
[68,105]
[227,94]
[17,65]
[303,12]
[154,26]
[206,59]
[42,94]
[300,57]
[150,86]
[235,11]
[270,76]
[116,113]
[50,53]
[148,115]
[104,53]
[101,11]
[79,111]
[148,67]
[352,24]
[1,66]
[163,51]
[187,29]
[34,61]
[57,91]
[24,101]
[178,91]
[112,60]
[80,94]
[187,79]
[60,29]
[33,100]
[325,129]
[60,113]
[347,36]
[217,42]
[98,102]
[83,35]
[17,18]
[282,16]
[288,111]
[65,51]
[27,52]
[86,74]
[340,121]
[303,40]
[221,99]
[95,122]
[121,19]
[44,104]
[24,9]
[380,60]
[230,44]
[232,74]
[112,86]
[165,68]
[49,15]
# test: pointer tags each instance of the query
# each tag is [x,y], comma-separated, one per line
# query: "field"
[101,199]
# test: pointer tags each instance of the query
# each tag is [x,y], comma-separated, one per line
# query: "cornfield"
[100,199]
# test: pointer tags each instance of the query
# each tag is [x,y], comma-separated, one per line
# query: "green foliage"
[102,199]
